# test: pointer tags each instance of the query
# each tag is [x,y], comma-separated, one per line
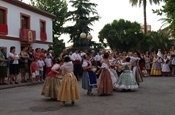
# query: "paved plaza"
[156,96]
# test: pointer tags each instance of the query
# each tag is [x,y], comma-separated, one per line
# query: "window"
[42,26]
[2,16]
[43,33]
[25,21]
[3,20]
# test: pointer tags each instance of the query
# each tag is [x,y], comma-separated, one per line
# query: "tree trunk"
[145,18]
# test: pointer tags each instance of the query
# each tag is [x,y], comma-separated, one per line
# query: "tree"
[144,3]
[121,35]
[169,22]
[83,17]
[59,9]
[159,40]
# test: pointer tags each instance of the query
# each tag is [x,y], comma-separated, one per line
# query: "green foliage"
[58,46]
[83,18]
[59,9]
[159,40]
[169,22]
[121,35]
[124,35]
[144,3]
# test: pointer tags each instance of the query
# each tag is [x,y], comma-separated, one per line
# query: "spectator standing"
[30,59]
[3,67]
[34,70]
[24,68]
[14,64]
[48,62]
[41,68]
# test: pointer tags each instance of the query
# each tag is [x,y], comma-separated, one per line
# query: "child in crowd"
[34,69]
[41,68]
[49,63]
[145,72]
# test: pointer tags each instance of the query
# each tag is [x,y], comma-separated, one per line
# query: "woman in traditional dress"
[120,59]
[53,81]
[156,66]
[147,62]
[89,78]
[105,84]
[69,87]
[127,80]
[135,68]
[166,66]
[113,63]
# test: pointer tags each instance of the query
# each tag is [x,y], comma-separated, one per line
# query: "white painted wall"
[17,44]
[13,21]
[9,43]
[42,46]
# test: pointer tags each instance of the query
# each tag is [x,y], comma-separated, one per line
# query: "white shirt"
[67,66]
[85,64]
[98,57]
[48,62]
[76,56]
[70,56]
[41,64]
[55,66]
[15,61]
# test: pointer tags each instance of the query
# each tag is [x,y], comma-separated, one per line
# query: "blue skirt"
[89,80]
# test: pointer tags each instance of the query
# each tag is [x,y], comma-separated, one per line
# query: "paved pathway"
[156,96]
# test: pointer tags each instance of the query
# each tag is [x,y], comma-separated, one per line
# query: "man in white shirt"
[76,58]
[98,58]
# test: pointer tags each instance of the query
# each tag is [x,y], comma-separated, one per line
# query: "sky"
[110,10]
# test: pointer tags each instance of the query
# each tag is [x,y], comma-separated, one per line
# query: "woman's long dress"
[105,84]
[89,80]
[52,83]
[166,66]
[156,67]
[136,70]
[113,70]
[126,80]
[147,63]
[69,90]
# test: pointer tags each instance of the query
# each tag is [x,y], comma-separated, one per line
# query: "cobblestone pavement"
[156,96]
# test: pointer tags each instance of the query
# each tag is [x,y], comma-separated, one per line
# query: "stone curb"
[18,85]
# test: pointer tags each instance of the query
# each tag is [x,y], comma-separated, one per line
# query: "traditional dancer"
[89,78]
[135,68]
[166,66]
[156,66]
[113,64]
[105,85]
[76,58]
[127,81]
[69,87]
[52,81]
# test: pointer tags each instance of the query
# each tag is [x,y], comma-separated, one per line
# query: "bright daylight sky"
[118,9]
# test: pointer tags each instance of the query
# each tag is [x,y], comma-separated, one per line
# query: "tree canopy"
[121,35]
[59,9]
[82,18]
[144,3]
[169,11]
